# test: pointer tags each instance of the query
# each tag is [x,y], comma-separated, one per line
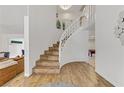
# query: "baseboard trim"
[105,80]
[27,74]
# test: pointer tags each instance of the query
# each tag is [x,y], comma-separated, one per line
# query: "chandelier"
[65,7]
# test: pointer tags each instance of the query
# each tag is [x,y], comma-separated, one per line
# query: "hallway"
[78,74]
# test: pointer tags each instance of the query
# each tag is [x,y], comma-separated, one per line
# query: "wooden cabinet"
[20,65]
[7,73]
[10,72]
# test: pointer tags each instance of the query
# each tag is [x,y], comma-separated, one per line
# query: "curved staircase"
[49,61]
[52,59]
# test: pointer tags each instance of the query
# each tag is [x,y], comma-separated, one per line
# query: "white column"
[27,71]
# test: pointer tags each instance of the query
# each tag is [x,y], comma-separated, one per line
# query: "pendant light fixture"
[65,7]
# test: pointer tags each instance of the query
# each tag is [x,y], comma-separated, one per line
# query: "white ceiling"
[11,19]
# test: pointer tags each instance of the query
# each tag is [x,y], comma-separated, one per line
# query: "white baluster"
[74,26]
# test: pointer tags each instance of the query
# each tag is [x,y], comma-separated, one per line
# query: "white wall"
[26,46]
[76,48]
[43,33]
[109,52]
[16,49]
[11,19]
[92,44]
[4,40]
[5,44]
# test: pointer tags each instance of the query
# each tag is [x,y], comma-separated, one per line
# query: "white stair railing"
[79,23]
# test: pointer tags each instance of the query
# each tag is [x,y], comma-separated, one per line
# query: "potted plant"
[58,24]
[63,25]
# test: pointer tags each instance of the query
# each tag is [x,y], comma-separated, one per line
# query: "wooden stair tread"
[49,55]
[55,44]
[54,47]
[47,60]
[47,64]
[46,67]
[51,52]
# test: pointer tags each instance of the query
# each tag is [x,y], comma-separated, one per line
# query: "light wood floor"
[78,74]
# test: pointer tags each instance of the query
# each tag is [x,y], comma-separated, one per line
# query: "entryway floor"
[78,74]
